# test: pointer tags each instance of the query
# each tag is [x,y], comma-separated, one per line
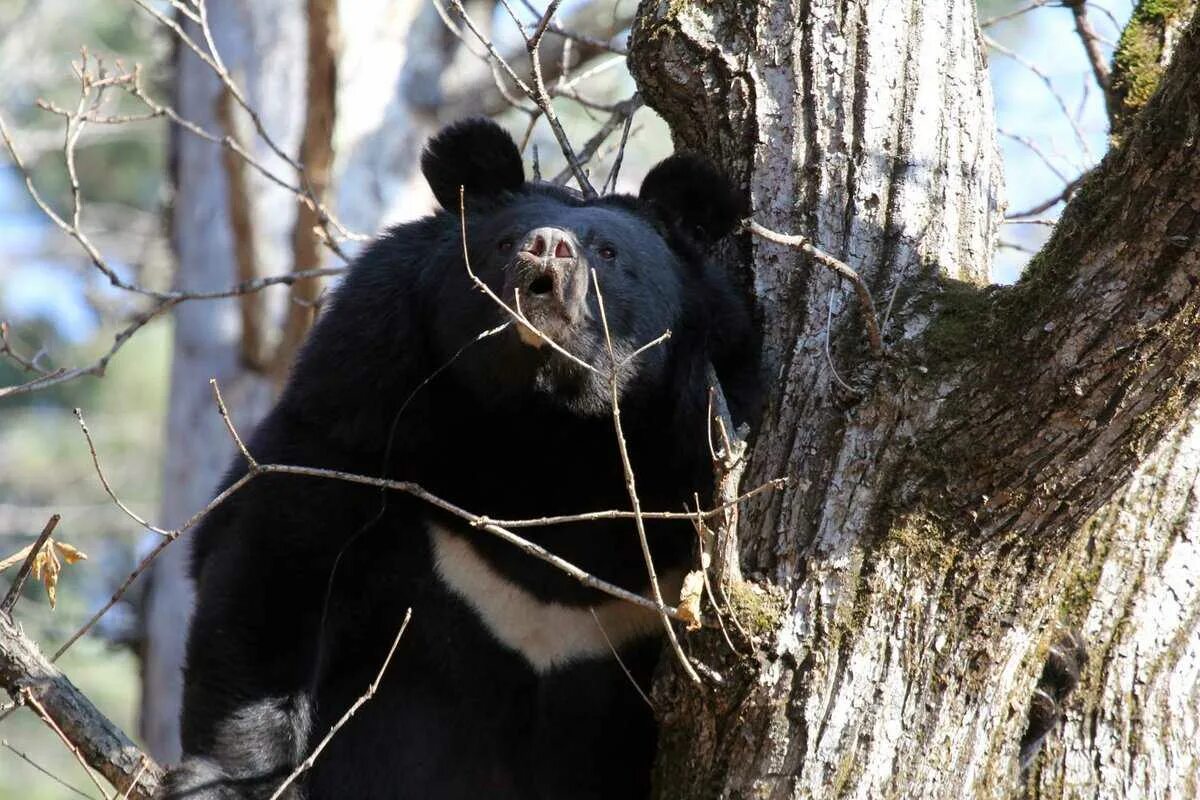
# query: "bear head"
[411,308]
[586,274]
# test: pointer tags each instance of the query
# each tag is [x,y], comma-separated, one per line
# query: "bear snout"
[548,281]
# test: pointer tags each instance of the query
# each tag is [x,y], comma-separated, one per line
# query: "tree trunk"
[912,575]
[1133,729]
[262,44]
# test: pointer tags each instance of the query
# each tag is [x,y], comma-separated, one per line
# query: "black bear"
[505,685]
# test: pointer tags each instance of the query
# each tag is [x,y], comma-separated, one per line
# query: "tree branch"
[25,671]
[1091,46]
[1066,379]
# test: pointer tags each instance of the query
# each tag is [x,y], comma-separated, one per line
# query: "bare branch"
[805,245]
[1048,203]
[1033,6]
[592,516]
[1080,137]
[250,462]
[97,367]
[631,488]
[516,314]
[27,675]
[1096,58]
[25,757]
[622,115]
[537,93]
[29,699]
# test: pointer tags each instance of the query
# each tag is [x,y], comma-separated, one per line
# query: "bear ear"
[476,154]
[692,197]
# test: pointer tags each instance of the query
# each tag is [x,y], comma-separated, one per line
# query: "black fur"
[476,155]
[1060,675]
[303,582]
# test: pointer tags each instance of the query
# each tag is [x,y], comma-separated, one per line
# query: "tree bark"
[912,575]
[1132,729]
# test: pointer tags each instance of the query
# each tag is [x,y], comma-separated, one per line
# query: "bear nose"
[549,256]
[548,242]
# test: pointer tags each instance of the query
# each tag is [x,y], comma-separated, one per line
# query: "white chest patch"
[548,635]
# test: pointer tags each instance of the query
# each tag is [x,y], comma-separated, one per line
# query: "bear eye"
[505,245]
[608,252]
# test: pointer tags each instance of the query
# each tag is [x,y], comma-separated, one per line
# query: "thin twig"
[104,481]
[610,183]
[212,58]
[1048,203]
[631,488]
[1036,4]
[621,115]
[592,516]
[6,349]
[537,92]
[98,367]
[705,563]
[516,314]
[805,245]
[307,763]
[1080,137]
[1096,58]
[620,662]
[224,412]
[592,41]
[25,757]
[30,699]
[137,776]
[1036,149]
[887,313]
[828,354]
[412,489]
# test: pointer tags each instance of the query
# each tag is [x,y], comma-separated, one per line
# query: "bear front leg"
[595,733]
[249,665]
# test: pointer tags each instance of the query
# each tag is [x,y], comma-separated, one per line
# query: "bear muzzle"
[548,283]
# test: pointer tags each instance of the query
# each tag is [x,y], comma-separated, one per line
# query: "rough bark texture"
[921,552]
[1133,729]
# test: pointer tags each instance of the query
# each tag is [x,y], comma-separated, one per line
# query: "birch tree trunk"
[908,582]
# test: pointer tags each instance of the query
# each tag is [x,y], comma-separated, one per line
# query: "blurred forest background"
[59,306]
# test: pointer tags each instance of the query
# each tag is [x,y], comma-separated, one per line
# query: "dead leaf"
[46,564]
[689,599]
[70,553]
